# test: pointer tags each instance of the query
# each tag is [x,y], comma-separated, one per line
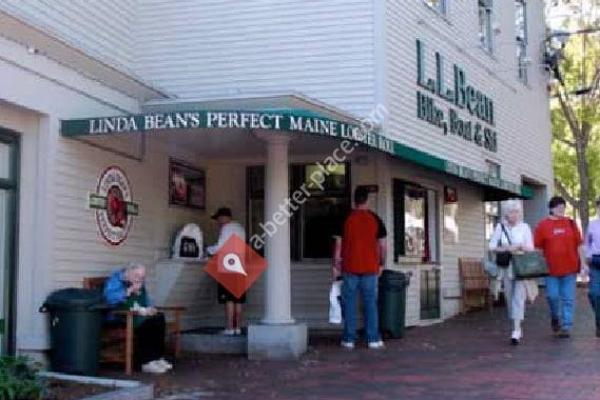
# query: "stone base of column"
[277,342]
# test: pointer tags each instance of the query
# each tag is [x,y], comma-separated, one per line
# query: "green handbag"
[530,264]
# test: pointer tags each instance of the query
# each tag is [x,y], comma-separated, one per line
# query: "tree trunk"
[584,183]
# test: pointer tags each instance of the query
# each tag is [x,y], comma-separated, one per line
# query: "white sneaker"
[153,367]
[237,331]
[516,336]
[376,345]
[347,345]
[165,364]
[228,332]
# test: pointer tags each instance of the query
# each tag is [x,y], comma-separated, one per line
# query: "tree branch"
[568,113]
[565,141]
[593,93]
[565,193]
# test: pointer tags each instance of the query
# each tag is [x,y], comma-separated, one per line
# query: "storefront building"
[242,107]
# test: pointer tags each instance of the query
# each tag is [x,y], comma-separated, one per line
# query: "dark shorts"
[225,296]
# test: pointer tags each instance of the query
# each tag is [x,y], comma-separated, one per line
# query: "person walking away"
[513,235]
[361,252]
[560,240]
[592,257]
[233,306]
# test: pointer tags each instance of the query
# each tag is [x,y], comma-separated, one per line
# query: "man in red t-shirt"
[360,253]
[560,240]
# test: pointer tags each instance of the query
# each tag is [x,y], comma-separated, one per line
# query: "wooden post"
[129,345]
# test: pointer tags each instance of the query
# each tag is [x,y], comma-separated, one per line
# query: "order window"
[320,216]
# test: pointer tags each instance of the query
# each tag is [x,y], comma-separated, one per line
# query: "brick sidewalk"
[466,358]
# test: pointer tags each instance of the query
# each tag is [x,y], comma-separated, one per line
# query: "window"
[438,5]
[317,219]
[430,294]
[521,38]
[323,213]
[492,217]
[485,24]
[415,222]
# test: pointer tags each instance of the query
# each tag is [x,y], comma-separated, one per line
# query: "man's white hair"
[509,206]
[132,266]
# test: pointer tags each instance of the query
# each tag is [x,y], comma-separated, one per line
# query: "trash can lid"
[391,278]
[74,298]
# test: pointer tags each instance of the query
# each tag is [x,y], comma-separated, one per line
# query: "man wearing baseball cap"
[233,305]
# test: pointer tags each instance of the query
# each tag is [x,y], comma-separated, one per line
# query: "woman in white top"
[516,236]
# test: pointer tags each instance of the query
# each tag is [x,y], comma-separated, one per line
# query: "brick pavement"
[468,357]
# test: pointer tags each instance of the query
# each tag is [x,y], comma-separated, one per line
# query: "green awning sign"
[288,121]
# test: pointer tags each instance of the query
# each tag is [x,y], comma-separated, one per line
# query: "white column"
[385,205]
[278,305]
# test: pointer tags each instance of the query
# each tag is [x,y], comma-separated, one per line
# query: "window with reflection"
[484,8]
[521,38]
[324,211]
[325,194]
[415,222]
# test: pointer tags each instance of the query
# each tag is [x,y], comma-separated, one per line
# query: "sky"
[558,12]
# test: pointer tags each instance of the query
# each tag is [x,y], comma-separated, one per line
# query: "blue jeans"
[594,288]
[560,292]
[367,285]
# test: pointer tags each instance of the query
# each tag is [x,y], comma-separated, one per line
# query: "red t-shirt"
[560,240]
[360,247]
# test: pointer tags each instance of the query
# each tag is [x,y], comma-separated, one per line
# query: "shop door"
[430,294]
[8,245]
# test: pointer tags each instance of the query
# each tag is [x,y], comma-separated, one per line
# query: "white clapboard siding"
[521,111]
[102,28]
[471,243]
[213,49]
[79,250]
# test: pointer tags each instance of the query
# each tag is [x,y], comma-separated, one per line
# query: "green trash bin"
[392,303]
[75,322]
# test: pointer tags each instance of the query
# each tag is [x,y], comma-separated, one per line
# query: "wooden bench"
[117,341]
[474,282]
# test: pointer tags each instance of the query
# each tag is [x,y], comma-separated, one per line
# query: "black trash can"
[392,303]
[75,322]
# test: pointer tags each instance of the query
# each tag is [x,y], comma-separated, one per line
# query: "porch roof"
[279,114]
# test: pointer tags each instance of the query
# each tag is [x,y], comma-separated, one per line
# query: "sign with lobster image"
[114,205]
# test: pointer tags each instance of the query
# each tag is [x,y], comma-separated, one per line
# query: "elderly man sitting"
[125,290]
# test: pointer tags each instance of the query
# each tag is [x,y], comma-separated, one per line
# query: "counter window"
[320,217]
[415,222]
[320,214]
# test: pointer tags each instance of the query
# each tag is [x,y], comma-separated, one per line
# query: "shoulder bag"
[529,264]
[503,257]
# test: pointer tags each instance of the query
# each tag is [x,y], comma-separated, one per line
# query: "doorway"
[9,189]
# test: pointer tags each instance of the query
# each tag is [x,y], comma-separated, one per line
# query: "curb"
[124,389]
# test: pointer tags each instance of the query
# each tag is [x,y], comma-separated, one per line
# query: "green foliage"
[579,67]
[18,380]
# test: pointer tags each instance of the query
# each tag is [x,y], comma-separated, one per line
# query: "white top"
[520,234]
[230,228]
